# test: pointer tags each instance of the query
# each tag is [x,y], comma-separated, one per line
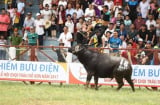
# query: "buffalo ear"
[86,45]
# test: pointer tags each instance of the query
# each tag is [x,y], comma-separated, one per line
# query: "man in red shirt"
[4,23]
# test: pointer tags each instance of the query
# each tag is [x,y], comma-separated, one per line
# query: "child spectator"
[127,22]
[61,53]
[2,48]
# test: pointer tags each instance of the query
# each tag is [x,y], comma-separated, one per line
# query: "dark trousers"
[22,16]
[40,39]
[48,31]
[2,54]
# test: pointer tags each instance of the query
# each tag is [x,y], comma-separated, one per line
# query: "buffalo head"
[77,48]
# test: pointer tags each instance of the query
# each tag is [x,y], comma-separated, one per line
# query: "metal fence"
[47,54]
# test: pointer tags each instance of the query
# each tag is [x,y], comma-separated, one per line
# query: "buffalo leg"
[130,83]
[96,82]
[119,80]
[89,76]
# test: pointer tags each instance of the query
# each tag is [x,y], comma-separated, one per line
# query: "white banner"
[143,75]
[33,71]
[73,73]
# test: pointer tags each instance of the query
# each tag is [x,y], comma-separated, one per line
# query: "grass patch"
[16,93]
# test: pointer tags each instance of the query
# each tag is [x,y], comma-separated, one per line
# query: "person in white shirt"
[65,37]
[28,21]
[144,8]
[62,2]
[79,11]
[69,9]
[49,2]
[89,12]
[21,8]
[110,4]
[69,23]
[150,21]
[39,28]
[47,14]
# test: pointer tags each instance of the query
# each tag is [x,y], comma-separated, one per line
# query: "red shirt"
[4,19]
[120,1]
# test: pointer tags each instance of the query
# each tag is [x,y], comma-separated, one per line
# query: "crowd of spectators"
[110,24]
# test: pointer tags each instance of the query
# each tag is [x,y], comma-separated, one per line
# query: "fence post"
[32,58]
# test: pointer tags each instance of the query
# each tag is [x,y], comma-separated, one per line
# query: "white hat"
[38,14]
[140,39]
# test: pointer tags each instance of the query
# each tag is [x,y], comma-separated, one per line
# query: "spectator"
[54,10]
[16,40]
[62,2]
[110,4]
[140,43]
[21,10]
[69,9]
[48,2]
[117,8]
[16,18]
[106,15]
[32,37]
[132,4]
[10,10]
[126,11]
[114,44]
[158,32]
[79,11]
[98,6]
[94,39]
[148,55]
[119,21]
[143,33]
[89,12]
[32,40]
[139,21]
[144,8]
[110,28]
[124,43]
[129,54]
[105,39]
[152,35]
[2,48]
[132,33]
[127,22]
[85,4]
[122,31]
[61,53]
[69,23]
[65,37]
[150,21]
[39,28]
[46,14]
[61,18]
[79,24]
[4,23]
[55,2]
[54,27]
[6,2]
[28,22]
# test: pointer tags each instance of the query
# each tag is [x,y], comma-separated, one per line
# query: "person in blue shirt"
[122,31]
[114,44]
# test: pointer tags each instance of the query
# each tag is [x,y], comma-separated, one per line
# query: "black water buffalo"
[103,66]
